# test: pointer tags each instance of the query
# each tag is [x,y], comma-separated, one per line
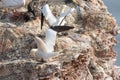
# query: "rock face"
[86,52]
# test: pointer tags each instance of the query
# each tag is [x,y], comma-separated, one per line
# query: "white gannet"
[44,48]
[52,20]
[13,4]
[45,11]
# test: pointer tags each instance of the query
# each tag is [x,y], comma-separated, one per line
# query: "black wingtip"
[61,28]
[42,20]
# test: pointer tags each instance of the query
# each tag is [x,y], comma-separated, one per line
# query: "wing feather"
[48,15]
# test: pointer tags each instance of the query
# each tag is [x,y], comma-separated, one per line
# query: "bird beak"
[42,20]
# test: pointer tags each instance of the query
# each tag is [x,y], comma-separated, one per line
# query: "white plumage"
[14,4]
[50,39]
[64,14]
[52,20]
[45,48]
[48,15]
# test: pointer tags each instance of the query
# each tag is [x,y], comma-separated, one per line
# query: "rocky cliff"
[85,52]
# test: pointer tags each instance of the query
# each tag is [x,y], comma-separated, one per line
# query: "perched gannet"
[13,4]
[44,48]
[52,20]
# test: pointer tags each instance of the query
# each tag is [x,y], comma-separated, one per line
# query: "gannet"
[52,20]
[13,4]
[44,48]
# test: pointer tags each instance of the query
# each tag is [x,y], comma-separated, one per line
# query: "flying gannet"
[52,20]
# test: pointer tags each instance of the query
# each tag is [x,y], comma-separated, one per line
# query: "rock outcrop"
[85,53]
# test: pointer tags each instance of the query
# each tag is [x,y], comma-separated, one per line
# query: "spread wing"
[40,44]
[48,15]
[63,15]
